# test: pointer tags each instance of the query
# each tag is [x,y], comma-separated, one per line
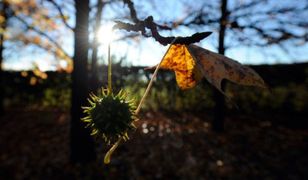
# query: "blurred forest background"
[52,57]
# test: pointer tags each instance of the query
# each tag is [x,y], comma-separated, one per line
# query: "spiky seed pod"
[110,116]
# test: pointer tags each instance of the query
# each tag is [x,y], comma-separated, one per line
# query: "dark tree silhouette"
[82,145]
[3,14]
[219,112]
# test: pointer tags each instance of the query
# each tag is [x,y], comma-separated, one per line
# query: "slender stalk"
[112,149]
[109,70]
[151,81]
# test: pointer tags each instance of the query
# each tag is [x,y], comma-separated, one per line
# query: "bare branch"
[134,17]
[41,33]
[148,23]
[57,6]
[132,10]
[288,22]
[249,5]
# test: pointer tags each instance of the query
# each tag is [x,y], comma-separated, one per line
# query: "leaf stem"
[152,79]
[112,149]
[109,70]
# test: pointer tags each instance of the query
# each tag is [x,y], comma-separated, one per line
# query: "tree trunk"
[94,82]
[82,145]
[219,112]
[3,13]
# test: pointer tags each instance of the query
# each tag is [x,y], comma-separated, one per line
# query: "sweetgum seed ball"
[110,116]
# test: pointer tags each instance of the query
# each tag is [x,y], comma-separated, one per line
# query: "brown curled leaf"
[216,67]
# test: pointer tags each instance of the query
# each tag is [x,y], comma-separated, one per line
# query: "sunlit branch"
[57,6]
[40,46]
[41,33]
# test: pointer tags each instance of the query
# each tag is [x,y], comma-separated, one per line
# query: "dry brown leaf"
[191,62]
[216,67]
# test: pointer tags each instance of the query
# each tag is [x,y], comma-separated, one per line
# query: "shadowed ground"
[34,145]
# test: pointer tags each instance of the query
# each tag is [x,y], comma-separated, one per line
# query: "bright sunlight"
[105,34]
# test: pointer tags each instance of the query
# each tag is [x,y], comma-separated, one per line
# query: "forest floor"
[35,145]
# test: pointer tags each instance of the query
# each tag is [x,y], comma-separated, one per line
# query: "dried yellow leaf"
[190,62]
[179,60]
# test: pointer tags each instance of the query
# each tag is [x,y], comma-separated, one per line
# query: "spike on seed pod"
[110,116]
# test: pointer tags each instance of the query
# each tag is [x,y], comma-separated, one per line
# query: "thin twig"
[57,6]
[112,149]
[109,70]
[152,79]
[148,23]
[42,34]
